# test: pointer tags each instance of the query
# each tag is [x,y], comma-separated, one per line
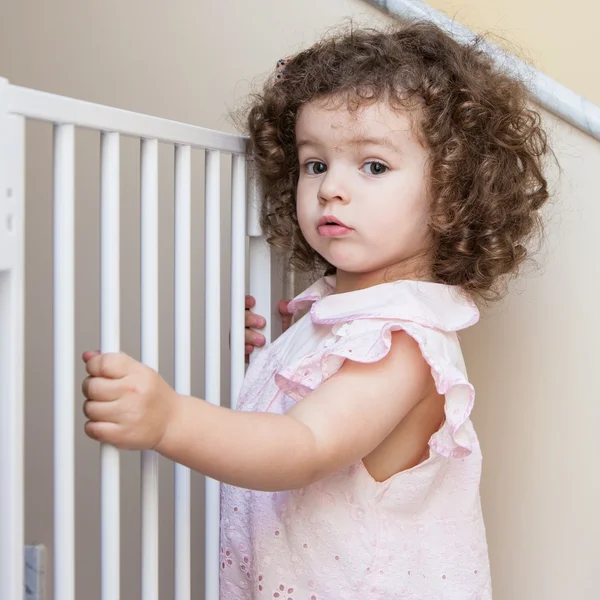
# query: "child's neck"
[351,282]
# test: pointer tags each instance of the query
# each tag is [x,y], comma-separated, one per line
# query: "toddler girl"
[406,169]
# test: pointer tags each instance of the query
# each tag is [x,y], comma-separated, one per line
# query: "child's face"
[367,170]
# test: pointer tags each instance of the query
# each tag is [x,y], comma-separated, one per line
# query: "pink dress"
[418,535]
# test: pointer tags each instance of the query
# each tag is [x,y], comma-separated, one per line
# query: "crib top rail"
[38,105]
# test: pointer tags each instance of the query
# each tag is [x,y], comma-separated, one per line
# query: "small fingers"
[101,389]
[250,301]
[286,315]
[97,411]
[109,365]
[253,320]
[254,339]
[283,308]
[101,431]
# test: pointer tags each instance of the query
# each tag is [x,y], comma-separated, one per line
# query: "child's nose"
[333,188]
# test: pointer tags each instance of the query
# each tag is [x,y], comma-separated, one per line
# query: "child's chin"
[350,262]
[351,267]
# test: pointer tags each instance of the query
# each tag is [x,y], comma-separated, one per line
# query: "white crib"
[18,104]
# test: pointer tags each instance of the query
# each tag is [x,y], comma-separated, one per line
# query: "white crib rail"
[212,354]
[12,136]
[16,105]
[183,308]
[149,282]
[110,341]
[64,355]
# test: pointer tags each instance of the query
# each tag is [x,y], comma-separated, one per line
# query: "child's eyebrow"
[373,141]
[358,141]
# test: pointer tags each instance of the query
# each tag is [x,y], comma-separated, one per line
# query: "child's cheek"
[303,214]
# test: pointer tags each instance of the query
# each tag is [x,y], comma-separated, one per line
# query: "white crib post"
[149,305]
[212,352]
[238,273]
[64,361]
[183,307]
[260,260]
[110,329]
[12,188]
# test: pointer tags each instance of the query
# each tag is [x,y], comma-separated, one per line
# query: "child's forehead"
[368,123]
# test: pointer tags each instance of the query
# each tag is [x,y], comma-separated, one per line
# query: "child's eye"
[375,167]
[314,167]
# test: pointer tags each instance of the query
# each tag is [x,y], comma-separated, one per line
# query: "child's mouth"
[333,230]
[332,227]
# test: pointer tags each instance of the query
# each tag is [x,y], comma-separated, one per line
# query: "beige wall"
[531,358]
[559,38]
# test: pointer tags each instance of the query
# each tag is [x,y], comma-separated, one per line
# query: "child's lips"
[330,226]
[333,230]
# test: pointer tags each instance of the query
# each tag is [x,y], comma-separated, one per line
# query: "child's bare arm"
[342,421]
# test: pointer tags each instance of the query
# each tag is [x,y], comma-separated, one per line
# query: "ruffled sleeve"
[361,330]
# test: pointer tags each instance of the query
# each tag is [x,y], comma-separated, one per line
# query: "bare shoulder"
[404,363]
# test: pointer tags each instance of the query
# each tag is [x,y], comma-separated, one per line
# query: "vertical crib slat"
[289,281]
[110,330]
[183,276]
[260,262]
[149,269]
[212,352]
[12,276]
[64,361]
[238,273]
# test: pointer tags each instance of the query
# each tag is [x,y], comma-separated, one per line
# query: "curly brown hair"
[486,145]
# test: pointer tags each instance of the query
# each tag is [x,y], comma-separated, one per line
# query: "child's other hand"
[128,404]
[252,338]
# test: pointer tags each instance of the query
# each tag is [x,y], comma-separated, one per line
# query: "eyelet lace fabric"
[420,534]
